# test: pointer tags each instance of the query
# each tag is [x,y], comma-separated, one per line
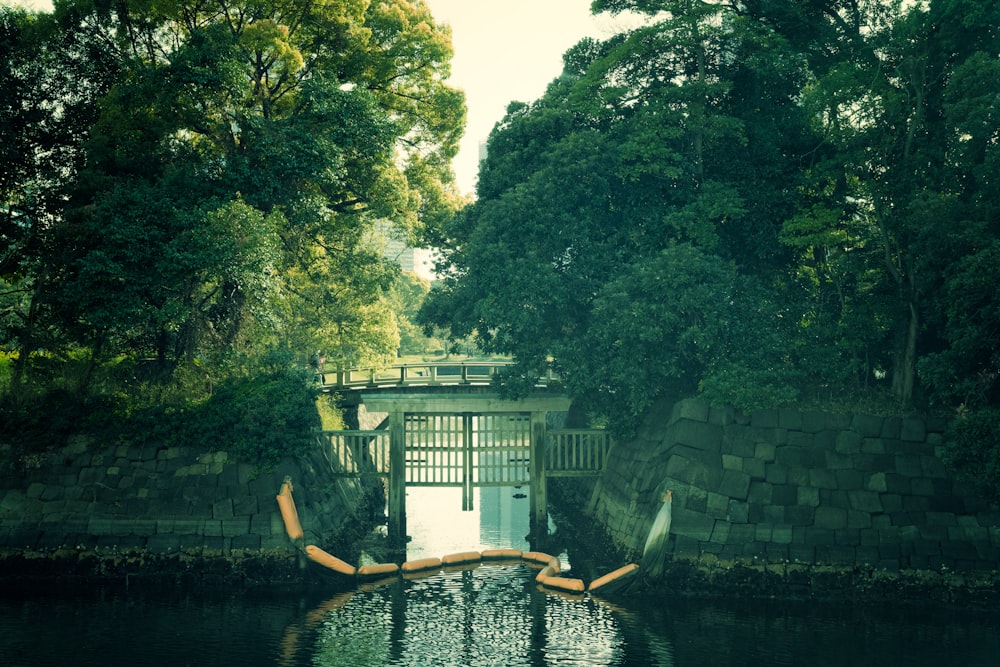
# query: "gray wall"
[166,500]
[791,486]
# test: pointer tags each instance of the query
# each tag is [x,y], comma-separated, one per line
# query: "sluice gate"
[482,441]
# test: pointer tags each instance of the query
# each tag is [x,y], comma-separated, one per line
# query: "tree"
[621,217]
[233,169]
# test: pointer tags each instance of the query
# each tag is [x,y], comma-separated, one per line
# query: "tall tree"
[236,165]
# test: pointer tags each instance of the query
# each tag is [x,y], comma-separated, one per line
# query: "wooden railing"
[428,374]
[569,452]
[576,452]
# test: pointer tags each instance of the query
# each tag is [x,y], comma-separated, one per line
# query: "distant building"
[415,260]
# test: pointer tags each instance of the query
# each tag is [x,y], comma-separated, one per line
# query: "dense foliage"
[759,201]
[198,184]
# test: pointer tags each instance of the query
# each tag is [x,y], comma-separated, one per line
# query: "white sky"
[504,50]
[507,50]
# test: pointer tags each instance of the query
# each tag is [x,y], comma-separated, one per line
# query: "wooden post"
[397,480]
[467,463]
[539,507]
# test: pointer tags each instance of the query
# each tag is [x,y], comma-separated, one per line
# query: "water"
[493,614]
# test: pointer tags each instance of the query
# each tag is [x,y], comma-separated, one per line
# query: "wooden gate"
[467,450]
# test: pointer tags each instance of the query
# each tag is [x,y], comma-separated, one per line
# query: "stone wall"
[167,500]
[790,486]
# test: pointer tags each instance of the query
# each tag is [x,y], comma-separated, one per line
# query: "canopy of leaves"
[760,201]
[222,167]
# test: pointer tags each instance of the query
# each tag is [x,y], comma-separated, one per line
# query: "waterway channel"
[487,615]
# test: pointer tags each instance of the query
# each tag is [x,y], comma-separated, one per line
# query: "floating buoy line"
[549,574]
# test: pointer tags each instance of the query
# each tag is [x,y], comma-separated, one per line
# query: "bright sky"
[507,50]
[504,50]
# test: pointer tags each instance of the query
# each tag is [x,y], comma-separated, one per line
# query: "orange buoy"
[288,512]
[378,570]
[502,554]
[421,564]
[462,558]
[563,584]
[612,580]
[536,557]
[317,555]
[550,570]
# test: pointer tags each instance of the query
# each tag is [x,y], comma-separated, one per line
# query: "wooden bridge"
[466,439]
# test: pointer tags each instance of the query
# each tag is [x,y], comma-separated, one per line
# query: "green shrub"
[973,450]
[258,418]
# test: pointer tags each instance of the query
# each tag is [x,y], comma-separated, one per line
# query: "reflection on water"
[484,615]
[437,526]
[492,614]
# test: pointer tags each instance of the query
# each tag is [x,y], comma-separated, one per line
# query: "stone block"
[873,446]
[720,532]
[789,456]
[848,442]
[800,515]
[741,533]
[891,502]
[813,421]
[933,467]
[868,426]
[691,408]
[223,509]
[764,451]
[837,461]
[759,493]
[909,465]
[739,512]
[735,484]
[234,527]
[245,505]
[822,479]
[865,501]
[717,505]
[922,486]
[913,430]
[212,528]
[784,494]
[850,478]
[877,483]
[764,419]
[775,473]
[801,439]
[730,462]
[774,513]
[790,419]
[807,496]
[857,519]
[830,518]
[755,468]
[694,525]
[697,435]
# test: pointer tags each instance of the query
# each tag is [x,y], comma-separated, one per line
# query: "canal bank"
[792,503]
[89,514]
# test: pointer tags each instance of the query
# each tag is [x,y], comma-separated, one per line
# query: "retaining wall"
[167,500]
[790,486]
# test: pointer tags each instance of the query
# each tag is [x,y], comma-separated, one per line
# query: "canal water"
[486,615]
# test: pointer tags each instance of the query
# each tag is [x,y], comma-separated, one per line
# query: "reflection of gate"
[467,450]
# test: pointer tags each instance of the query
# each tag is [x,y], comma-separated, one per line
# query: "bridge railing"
[576,452]
[435,373]
[357,453]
